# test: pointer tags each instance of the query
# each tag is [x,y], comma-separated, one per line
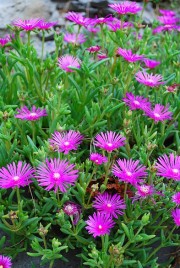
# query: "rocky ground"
[55,10]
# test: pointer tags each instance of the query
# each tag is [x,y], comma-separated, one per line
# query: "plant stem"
[51,264]
[43,39]
[18,198]
[125,190]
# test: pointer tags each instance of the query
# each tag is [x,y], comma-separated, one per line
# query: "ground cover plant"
[89,140]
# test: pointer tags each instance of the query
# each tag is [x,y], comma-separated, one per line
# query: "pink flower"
[5,262]
[176,198]
[173,87]
[126,7]
[144,190]
[43,25]
[176,216]
[151,63]
[136,102]
[98,159]
[67,61]
[117,25]
[27,25]
[74,38]
[66,141]
[5,40]
[93,49]
[128,55]
[92,29]
[30,115]
[149,80]
[109,141]
[99,224]
[78,19]
[129,171]
[111,205]
[72,209]
[166,12]
[102,56]
[169,167]
[56,174]
[168,20]
[103,20]
[159,113]
[16,175]
[167,27]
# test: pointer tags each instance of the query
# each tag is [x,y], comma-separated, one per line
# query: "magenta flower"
[117,25]
[99,224]
[128,55]
[111,205]
[5,262]
[78,19]
[176,198]
[166,12]
[56,174]
[103,20]
[176,216]
[72,209]
[16,175]
[109,141]
[75,39]
[169,167]
[102,56]
[27,25]
[168,20]
[151,63]
[144,190]
[92,29]
[67,62]
[129,171]
[126,7]
[136,102]
[98,159]
[30,115]
[149,80]
[93,49]
[5,40]
[165,28]
[43,25]
[173,87]
[66,141]
[159,113]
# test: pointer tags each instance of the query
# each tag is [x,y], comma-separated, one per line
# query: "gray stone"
[99,3]
[14,9]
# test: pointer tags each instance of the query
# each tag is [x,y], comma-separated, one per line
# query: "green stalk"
[33,132]
[18,198]
[43,39]
[29,43]
[51,264]
[107,169]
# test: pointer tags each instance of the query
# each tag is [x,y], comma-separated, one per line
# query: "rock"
[14,9]
[99,3]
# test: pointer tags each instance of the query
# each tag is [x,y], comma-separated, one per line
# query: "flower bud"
[145,218]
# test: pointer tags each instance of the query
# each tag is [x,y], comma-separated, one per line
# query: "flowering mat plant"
[89,140]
